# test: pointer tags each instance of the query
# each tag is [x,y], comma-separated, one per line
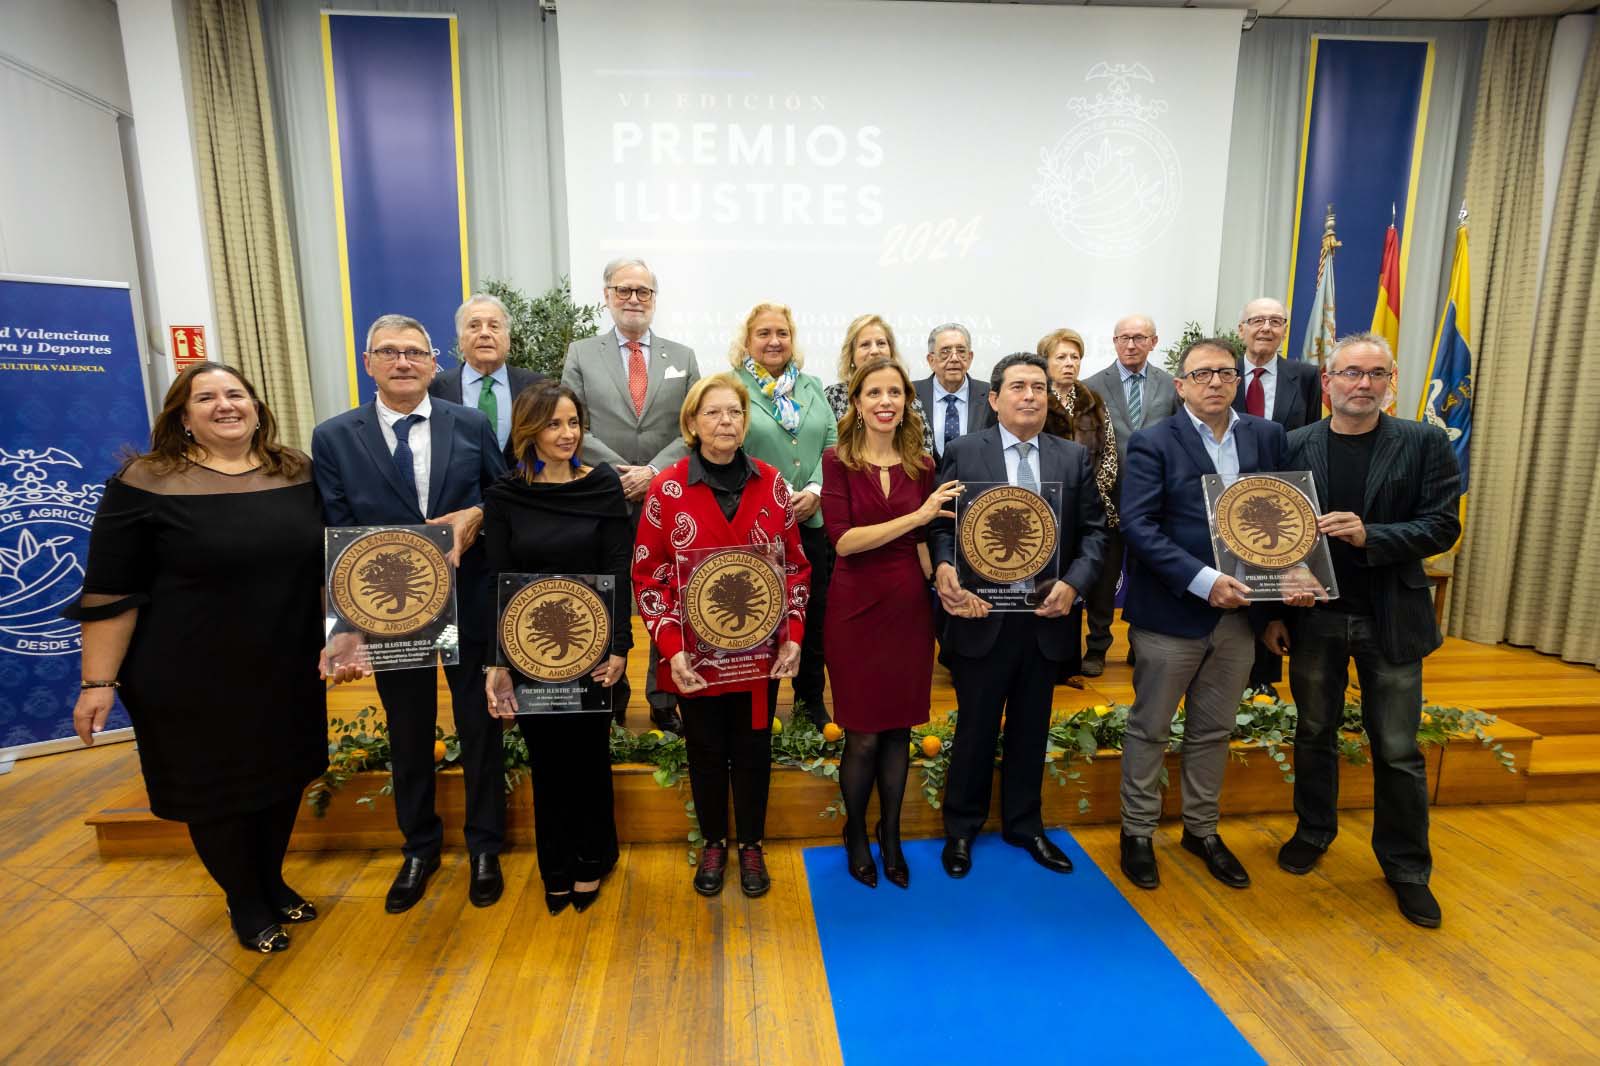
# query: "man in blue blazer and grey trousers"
[1187,621]
[404,459]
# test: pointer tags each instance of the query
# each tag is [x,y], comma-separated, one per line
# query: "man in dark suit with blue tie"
[1391,495]
[484,380]
[404,459]
[1006,663]
[1187,620]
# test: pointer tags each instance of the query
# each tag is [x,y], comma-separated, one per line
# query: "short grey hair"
[1358,340]
[628,261]
[481,298]
[397,322]
[946,328]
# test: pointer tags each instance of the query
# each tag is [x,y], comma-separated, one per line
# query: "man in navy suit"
[954,401]
[1287,391]
[484,380]
[1006,663]
[1187,620]
[404,459]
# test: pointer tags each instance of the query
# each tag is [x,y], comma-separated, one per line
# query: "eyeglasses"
[629,292]
[1133,338]
[1227,375]
[1353,375]
[1275,321]
[958,352]
[415,355]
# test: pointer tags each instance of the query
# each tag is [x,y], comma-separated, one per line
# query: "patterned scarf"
[780,390]
[1105,464]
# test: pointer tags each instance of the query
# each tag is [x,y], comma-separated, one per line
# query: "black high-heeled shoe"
[582,901]
[865,871]
[557,901]
[898,873]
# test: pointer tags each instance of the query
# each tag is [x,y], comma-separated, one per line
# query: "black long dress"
[220,677]
[577,527]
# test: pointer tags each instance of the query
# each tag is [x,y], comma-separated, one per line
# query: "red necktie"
[1255,397]
[638,377]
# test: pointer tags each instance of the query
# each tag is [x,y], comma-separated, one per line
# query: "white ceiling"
[1379,9]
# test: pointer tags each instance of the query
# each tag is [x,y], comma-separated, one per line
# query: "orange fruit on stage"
[1102,709]
[777,724]
[931,745]
[438,751]
[831,731]
[1262,697]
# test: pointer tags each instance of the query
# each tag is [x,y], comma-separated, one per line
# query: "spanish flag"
[1447,398]
[1386,315]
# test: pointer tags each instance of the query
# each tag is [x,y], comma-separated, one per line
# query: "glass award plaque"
[553,631]
[1264,532]
[391,597]
[1007,541]
[733,602]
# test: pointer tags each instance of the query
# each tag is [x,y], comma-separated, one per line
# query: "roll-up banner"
[399,174]
[73,394]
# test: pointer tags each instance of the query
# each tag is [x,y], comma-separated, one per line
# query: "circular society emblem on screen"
[1266,522]
[734,600]
[555,629]
[390,583]
[1007,534]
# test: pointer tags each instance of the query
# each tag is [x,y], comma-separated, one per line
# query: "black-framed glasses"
[1133,338]
[1275,321]
[1227,375]
[1355,374]
[388,355]
[629,292]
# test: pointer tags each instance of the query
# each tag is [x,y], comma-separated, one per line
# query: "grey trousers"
[1210,674]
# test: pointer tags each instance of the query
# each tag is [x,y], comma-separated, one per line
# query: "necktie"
[1255,397]
[638,376]
[1025,478]
[952,420]
[402,450]
[488,404]
[1136,400]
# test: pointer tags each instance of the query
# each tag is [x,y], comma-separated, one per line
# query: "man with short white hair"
[483,380]
[1391,493]
[956,403]
[633,382]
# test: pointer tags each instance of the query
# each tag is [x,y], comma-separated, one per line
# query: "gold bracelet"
[86,685]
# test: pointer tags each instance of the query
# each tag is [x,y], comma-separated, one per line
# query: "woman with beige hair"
[869,337]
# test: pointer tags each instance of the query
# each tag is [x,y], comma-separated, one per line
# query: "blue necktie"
[952,420]
[1136,400]
[1025,478]
[402,450]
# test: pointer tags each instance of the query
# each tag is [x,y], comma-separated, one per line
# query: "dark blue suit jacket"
[360,486]
[1164,517]
[978,457]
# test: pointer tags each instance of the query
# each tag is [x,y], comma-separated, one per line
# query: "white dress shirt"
[939,408]
[622,346]
[1224,455]
[1008,448]
[1269,383]
[421,441]
[472,385]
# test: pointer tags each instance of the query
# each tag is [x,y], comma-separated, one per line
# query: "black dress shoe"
[957,857]
[292,909]
[409,883]
[894,861]
[859,861]
[1044,852]
[753,877]
[1093,665]
[557,901]
[1139,861]
[273,938]
[667,719]
[582,901]
[1299,856]
[713,865]
[487,884]
[1417,904]
[1219,860]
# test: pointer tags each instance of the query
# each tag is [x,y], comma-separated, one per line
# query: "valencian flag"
[1447,397]
[1320,328]
[1386,315]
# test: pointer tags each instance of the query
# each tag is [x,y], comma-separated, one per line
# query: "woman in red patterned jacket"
[718,497]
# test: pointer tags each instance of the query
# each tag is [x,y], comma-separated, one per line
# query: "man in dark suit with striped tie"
[1391,492]
[1288,391]
[483,380]
[956,403]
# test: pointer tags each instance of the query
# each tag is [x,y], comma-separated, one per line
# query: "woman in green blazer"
[790,426]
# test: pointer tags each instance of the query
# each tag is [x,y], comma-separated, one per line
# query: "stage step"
[1547,714]
[1563,768]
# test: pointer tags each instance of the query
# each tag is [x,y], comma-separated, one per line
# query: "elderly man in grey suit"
[956,403]
[633,383]
[483,380]
[1137,394]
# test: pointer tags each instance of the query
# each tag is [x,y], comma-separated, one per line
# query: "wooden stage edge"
[1539,700]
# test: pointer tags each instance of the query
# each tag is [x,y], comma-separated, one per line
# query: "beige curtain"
[1505,186]
[247,229]
[1555,593]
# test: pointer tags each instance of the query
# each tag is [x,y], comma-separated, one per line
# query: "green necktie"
[488,404]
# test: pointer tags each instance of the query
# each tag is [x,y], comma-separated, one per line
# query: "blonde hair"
[1048,342]
[852,333]
[853,431]
[740,347]
[697,394]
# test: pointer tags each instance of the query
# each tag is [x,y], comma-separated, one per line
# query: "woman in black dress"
[552,515]
[202,604]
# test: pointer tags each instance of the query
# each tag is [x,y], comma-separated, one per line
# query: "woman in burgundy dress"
[877,498]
